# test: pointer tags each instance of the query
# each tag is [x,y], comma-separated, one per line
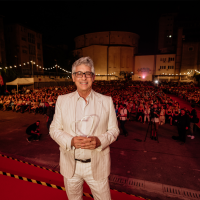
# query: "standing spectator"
[146,113]
[183,124]
[6,104]
[123,118]
[140,113]
[162,116]
[50,113]
[169,115]
[34,132]
[193,116]
[155,113]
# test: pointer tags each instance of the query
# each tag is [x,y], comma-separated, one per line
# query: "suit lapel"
[72,113]
[98,109]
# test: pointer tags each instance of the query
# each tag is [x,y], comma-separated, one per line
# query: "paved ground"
[167,162]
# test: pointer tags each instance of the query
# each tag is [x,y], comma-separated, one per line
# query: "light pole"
[32,68]
[32,74]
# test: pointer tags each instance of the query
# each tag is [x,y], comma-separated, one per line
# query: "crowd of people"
[138,99]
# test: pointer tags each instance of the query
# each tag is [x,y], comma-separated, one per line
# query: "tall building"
[167,33]
[2,44]
[180,33]
[24,49]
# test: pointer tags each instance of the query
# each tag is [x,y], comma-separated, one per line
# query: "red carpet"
[183,103]
[28,188]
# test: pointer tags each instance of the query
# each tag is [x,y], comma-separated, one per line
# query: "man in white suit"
[84,125]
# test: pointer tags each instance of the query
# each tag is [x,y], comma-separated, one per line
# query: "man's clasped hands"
[80,142]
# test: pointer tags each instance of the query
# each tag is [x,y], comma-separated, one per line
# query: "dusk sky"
[61,22]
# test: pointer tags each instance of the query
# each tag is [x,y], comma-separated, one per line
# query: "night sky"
[60,22]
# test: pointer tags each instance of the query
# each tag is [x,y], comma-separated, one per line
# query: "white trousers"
[83,172]
[146,117]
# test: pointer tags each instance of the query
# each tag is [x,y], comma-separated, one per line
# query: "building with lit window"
[24,49]
[112,52]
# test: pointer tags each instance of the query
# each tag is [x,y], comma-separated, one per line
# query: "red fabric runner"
[12,188]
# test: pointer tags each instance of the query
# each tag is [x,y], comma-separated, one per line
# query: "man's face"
[182,112]
[37,123]
[84,83]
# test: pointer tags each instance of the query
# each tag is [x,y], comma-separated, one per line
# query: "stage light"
[156,81]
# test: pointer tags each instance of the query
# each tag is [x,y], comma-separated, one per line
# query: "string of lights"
[33,63]
[178,74]
[197,71]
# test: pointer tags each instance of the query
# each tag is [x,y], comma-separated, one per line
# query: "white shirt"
[123,111]
[84,109]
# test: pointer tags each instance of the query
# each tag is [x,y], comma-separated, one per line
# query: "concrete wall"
[144,67]
[120,59]
[99,56]
[109,59]
[107,38]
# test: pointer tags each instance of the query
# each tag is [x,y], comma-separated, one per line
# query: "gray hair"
[83,60]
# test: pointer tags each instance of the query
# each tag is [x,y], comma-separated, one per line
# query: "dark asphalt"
[167,162]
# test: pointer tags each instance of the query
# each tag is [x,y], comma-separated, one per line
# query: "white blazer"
[105,128]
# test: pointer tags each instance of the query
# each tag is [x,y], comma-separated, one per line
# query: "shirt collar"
[90,96]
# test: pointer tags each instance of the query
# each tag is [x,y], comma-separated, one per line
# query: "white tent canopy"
[21,81]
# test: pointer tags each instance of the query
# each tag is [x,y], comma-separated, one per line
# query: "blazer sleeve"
[113,131]
[61,137]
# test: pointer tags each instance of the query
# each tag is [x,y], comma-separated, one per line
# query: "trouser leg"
[74,186]
[32,136]
[182,134]
[191,128]
[123,127]
[100,189]
[49,122]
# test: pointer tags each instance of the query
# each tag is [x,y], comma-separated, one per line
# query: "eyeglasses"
[79,74]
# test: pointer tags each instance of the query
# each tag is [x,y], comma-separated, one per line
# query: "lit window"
[170,36]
